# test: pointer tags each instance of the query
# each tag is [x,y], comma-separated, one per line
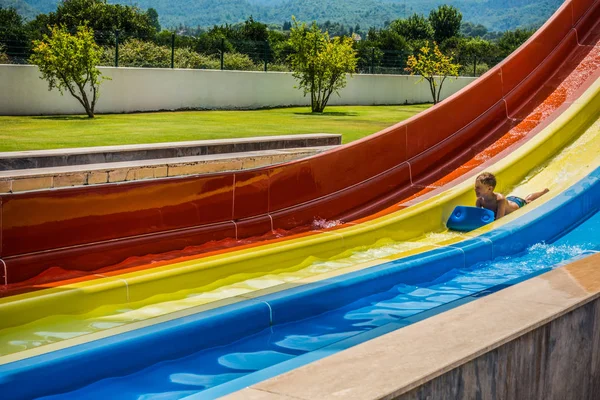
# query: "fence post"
[371,67]
[266,54]
[117,48]
[222,52]
[474,65]
[172,50]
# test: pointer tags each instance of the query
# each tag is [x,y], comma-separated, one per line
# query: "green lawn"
[49,132]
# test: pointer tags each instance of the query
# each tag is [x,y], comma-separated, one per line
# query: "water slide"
[560,155]
[204,355]
[291,328]
[65,328]
[93,231]
[99,303]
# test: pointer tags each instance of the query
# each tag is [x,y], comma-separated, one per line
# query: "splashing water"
[321,223]
[400,305]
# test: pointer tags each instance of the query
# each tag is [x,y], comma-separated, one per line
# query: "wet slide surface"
[405,303]
[167,360]
[39,321]
[75,229]
[38,264]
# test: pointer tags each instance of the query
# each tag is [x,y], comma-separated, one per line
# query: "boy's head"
[485,184]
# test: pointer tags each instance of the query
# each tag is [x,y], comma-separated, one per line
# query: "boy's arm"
[501,207]
[478,203]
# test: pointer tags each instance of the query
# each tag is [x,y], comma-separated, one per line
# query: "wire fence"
[171,50]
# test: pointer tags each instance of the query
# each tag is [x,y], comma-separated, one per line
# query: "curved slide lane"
[565,152]
[169,361]
[89,228]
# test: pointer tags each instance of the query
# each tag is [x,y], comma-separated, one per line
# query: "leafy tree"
[13,34]
[153,18]
[254,36]
[101,17]
[446,22]
[253,30]
[475,49]
[511,40]
[387,49]
[473,30]
[434,67]
[69,62]
[416,27]
[320,63]
[280,47]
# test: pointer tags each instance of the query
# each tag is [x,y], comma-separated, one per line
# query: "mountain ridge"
[496,15]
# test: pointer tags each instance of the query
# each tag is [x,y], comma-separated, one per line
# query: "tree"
[69,62]
[511,40]
[320,63]
[446,22]
[434,67]
[101,17]
[13,35]
[153,18]
[476,49]
[470,29]
[416,27]
[253,30]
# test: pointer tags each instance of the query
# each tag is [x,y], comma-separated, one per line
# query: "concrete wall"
[559,360]
[149,89]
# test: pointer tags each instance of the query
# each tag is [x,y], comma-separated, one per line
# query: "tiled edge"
[401,361]
[255,394]
[108,174]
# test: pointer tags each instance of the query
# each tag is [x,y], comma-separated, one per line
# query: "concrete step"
[93,174]
[16,160]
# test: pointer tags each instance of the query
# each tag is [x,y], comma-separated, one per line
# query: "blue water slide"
[65,373]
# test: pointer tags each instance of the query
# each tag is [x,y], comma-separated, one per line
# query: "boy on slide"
[485,184]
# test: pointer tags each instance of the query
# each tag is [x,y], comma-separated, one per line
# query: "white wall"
[22,92]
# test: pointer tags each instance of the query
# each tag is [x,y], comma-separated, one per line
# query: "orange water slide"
[88,228]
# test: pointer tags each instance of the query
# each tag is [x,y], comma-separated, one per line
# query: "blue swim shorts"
[517,200]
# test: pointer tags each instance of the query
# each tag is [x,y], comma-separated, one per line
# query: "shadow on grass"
[64,117]
[329,114]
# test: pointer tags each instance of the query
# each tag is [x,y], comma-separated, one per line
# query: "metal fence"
[170,50]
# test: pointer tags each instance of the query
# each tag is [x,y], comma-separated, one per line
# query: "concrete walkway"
[106,154]
[217,156]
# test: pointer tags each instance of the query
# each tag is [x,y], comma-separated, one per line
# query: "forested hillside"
[496,15]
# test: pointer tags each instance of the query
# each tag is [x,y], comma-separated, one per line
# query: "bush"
[188,58]
[240,62]
[481,69]
[278,68]
[136,53]
[3,56]
[467,69]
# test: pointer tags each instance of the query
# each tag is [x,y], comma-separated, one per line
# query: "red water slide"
[87,228]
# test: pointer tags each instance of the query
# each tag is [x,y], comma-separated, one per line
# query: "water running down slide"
[536,156]
[126,302]
[169,361]
[89,228]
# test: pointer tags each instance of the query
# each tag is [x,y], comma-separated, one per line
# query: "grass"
[51,132]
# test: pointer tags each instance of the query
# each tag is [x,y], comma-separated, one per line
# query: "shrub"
[239,62]
[3,56]
[136,53]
